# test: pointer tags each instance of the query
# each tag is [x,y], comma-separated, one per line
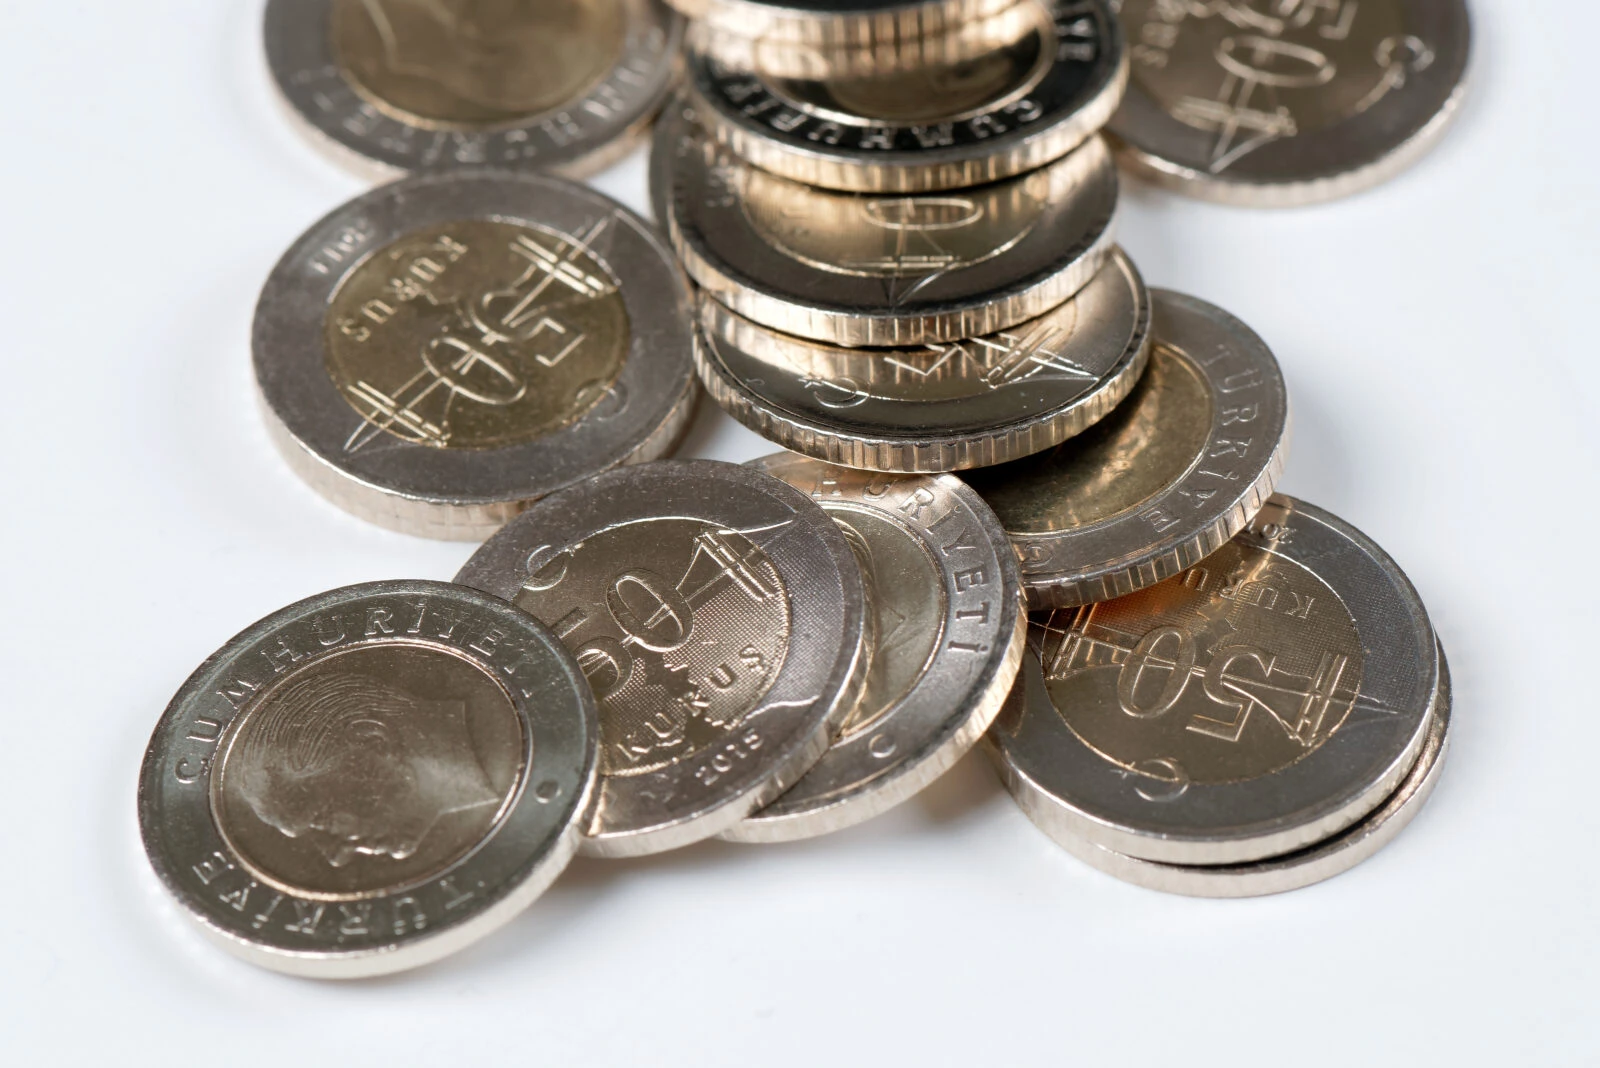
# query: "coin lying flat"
[1168,477]
[1255,704]
[1276,105]
[370,779]
[1304,867]
[931,127]
[857,269]
[939,407]
[948,626]
[838,23]
[719,615]
[398,85]
[440,351]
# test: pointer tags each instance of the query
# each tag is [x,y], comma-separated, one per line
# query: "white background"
[1445,398]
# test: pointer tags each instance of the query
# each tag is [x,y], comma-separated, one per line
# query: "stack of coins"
[897,218]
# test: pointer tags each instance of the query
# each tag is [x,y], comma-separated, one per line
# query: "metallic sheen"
[838,23]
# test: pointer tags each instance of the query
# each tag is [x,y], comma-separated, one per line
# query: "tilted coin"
[397,85]
[946,604]
[1168,477]
[440,351]
[719,615]
[1255,704]
[838,23]
[1304,867]
[1283,104]
[370,779]
[939,407]
[932,127]
[859,269]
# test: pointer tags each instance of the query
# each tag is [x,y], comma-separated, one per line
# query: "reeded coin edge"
[898,21]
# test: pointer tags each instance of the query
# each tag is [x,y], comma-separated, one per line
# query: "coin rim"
[796,24]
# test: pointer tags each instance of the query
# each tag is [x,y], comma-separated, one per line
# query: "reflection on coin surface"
[439,352]
[940,125]
[1317,862]
[719,616]
[1164,480]
[371,778]
[941,407]
[838,23]
[856,269]
[1288,103]
[1252,705]
[561,85]
[948,628]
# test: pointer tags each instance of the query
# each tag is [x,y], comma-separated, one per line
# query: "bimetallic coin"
[1253,705]
[946,604]
[931,127]
[857,269]
[566,86]
[943,407]
[839,23]
[1164,480]
[370,779]
[443,350]
[1304,867]
[719,615]
[1290,103]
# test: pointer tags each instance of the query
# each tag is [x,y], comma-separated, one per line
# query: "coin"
[1290,103]
[397,85]
[719,615]
[838,23]
[857,269]
[1304,867]
[946,604]
[1168,477]
[942,407]
[1255,704]
[932,127]
[370,779]
[440,351]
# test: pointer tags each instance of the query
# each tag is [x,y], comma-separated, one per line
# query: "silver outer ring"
[723,252]
[851,445]
[1136,132]
[963,686]
[468,494]
[1311,865]
[576,141]
[1073,100]
[527,848]
[1164,535]
[1072,791]
[816,687]
[844,23]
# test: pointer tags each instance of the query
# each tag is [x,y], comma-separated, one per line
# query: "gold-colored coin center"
[475,334]
[475,64]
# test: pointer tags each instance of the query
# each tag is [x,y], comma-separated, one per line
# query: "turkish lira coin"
[1253,705]
[861,269]
[941,407]
[719,615]
[566,86]
[1161,482]
[371,778]
[939,125]
[438,352]
[948,627]
[838,23]
[1288,103]
[1313,864]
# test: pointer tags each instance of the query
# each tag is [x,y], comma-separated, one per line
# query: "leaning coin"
[393,85]
[1254,705]
[443,350]
[1304,867]
[838,23]
[946,602]
[370,779]
[1169,476]
[936,407]
[931,127]
[717,612]
[858,269]
[1294,105]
